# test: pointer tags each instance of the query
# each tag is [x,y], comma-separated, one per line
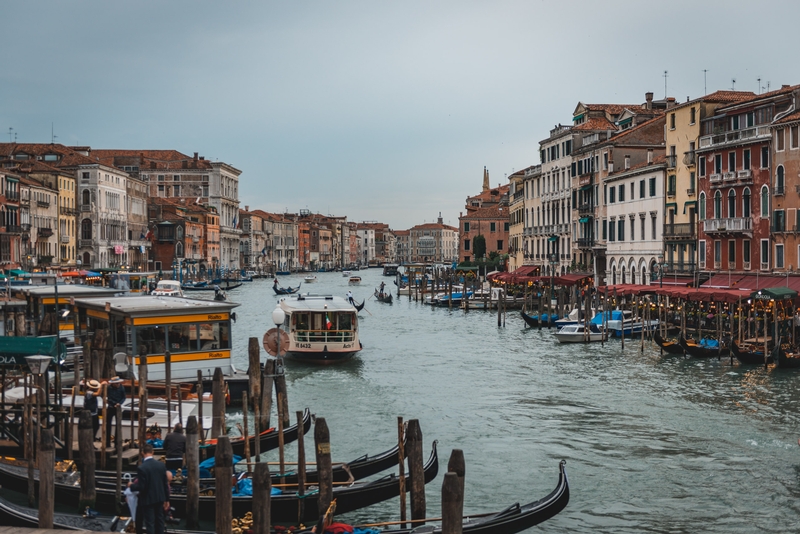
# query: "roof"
[147,305]
[786,89]
[789,118]
[596,123]
[15,349]
[67,290]
[717,97]
[492,212]
[433,226]
[310,302]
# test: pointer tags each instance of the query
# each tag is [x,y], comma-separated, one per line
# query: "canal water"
[653,443]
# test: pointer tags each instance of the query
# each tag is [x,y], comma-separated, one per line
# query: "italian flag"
[328,323]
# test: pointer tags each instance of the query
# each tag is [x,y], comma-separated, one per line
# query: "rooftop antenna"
[759,84]
[705,81]
[53,136]
[10,137]
[666,75]
[733,84]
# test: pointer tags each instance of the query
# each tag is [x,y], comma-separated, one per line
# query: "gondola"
[17,515]
[269,438]
[360,307]
[383,297]
[783,359]
[286,290]
[533,320]
[698,350]
[670,347]
[284,506]
[750,353]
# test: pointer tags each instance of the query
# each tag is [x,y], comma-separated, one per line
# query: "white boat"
[322,328]
[168,288]
[310,279]
[623,322]
[576,333]
[346,273]
[355,280]
[575,316]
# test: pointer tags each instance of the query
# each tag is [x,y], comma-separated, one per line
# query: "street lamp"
[278,317]
[661,265]
[553,265]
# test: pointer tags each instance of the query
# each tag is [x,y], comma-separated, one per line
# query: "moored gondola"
[533,320]
[750,353]
[284,506]
[13,514]
[784,359]
[360,307]
[671,347]
[707,348]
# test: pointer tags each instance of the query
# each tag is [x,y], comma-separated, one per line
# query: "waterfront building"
[366,244]
[180,231]
[254,242]
[486,216]
[39,214]
[284,242]
[735,178]
[403,248]
[10,231]
[433,243]
[516,220]
[531,228]
[786,186]
[352,228]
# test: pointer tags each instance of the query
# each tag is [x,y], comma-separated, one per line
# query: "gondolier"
[350,298]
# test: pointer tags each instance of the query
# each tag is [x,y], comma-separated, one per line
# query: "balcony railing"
[65,239]
[586,208]
[45,232]
[11,229]
[63,210]
[744,174]
[764,266]
[735,136]
[779,190]
[670,192]
[12,196]
[689,157]
[729,176]
[43,203]
[672,161]
[681,230]
[85,243]
[86,207]
[736,224]
[585,242]
[691,191]
[716,177]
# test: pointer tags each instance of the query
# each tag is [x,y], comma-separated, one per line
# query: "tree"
[479,246]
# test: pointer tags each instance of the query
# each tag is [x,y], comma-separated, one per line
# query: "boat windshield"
[323,326]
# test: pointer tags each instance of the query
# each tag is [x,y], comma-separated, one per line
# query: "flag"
[142,236]
[264,251]
[149,234]
[328,323]
[235,221]
[197,201]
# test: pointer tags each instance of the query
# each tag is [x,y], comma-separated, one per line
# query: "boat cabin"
[133,282]
[197,333]
[390,269]
[322,328]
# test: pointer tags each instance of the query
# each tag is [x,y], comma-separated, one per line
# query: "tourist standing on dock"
[90,403]
[115,396]
[175,448]
[153,487]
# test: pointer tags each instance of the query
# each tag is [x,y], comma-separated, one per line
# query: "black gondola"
[17,515]
[694,349]
[383,297]
[286,290]
[671,347]
[283,507]
[360,307]
[750,353]
[533,322]
[511,520]
[784,360]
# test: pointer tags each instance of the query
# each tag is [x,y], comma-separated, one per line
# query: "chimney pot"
[627,161]
[247,208]
[195,156]
[649,99]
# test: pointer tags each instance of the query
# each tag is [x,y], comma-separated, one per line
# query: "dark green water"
[652,443]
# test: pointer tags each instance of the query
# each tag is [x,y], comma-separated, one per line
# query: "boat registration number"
[304,345]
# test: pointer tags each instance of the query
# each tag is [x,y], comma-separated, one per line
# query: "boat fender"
[227,396]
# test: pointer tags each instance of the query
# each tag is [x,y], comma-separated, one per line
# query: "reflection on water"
[653,443]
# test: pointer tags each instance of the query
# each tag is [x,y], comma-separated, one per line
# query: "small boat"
[283,273]
[623,323]
[576,333]
[18,515]
[576,316]
[785,359]
[444,299]
[354,280]
[360,307]
[346,273]
[533,320]
[750,353]
[168,288]
[322,328]
[707,348]
[383,297]
[284,290]
[310,279]
[390,269]
[669,346]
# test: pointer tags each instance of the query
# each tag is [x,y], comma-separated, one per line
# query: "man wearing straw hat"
[115,396]
[90,403]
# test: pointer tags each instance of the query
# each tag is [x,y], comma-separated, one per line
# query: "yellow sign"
[98,314]
[53,300]
[176,319]
[186,357]
[324,448]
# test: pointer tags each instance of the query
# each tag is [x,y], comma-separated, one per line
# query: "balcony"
[65,239]
[585,242]
[196,256]
[11,229]
[85,208]
[689,158]
[736,136]
[12,196]
[716,177]
[45,232]
[43,203]
[63,210]
[744,174]
[746,265]
[731,225]
[672,161]
[586,209]
[85,243]
[729,176]
[195,239]
[691,192]
[679,231]
[670,192]
[527,231]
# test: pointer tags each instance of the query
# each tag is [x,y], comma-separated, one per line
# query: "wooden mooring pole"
[192,474]
[322,442]
[218,403]
[401,458]
[262,487]
[301,468]
[223,471]
[86,448]
[452,504]
[416,469]
[47,463]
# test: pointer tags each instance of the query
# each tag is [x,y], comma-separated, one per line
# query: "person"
[90,403]
[115,396]
[175,448]
[382,286]
[153,487]
[350,298]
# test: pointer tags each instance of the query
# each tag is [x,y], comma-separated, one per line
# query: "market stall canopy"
[13,350]
[570,279]
[18,272]
[774,293]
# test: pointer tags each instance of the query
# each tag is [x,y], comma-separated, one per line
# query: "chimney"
[485,179]
[184,164]
[610,167]
[671,102]
[627,161]
[247,208]
[649,99]
[649,156]
[195,156]
[440,218]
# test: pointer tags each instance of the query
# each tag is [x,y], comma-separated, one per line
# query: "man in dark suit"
[153,488]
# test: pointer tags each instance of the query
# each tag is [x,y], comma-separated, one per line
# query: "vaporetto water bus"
[322,328]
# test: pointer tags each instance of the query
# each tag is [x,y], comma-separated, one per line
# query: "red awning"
[753,282]
[724,280]
[527,270]
[570,279]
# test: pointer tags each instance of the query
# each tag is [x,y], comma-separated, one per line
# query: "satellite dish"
[270,342]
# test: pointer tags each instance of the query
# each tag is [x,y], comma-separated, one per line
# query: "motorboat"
[168,288]
[577,333]
[575,316]
[354,280]
[624,323]
[310,279]
[346,273]
[322,328]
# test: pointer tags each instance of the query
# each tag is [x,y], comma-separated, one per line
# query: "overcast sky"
[376,110]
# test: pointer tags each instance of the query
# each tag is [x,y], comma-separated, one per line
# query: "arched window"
[717,205]
[765,201]
[731,203]
[779,180]
[623,274]
[86,198]
[179,232]
[86,229]
[746,202]
[701,209]
[179,249]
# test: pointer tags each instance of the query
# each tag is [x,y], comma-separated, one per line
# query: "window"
[750,118]
[731,203]
[701,165]
[85,176]
[641,189]
[492,227]
[746,253]
[717,205]
[731,161]
[765,254]
[611,193]
[621,192]
[505,227]
[466,227]
[718,164]
[466,244]
[652,227]
[746,159]
[177,190]
[612,230]
[778,221]
[779,180]
[692,115]
[764,201]
[86,198]
[86,229]
[732,253]
[671,185]
[621,230]
[779,140]
[746,202]
[633,191]
[605,231]
[702,253]
[160,177]
[793,137]
[764,157]
[499,244]
[717,253]
[735,122]
[671,121]
[692,182]
[176,177]
[653,186]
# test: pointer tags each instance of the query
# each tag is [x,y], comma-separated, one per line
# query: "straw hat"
[115,380]
[94,385]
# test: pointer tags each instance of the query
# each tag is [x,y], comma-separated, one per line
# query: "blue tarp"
[209,464]
[709,343]
[245,487]
[156,443]
[616,315]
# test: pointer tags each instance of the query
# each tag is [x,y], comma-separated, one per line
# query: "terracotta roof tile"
[595,123]
[492,212]
[789,118]
[657,160]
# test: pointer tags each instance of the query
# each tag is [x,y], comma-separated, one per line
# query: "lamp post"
[38,364]
[661,265]
[278,317]
[553,264]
